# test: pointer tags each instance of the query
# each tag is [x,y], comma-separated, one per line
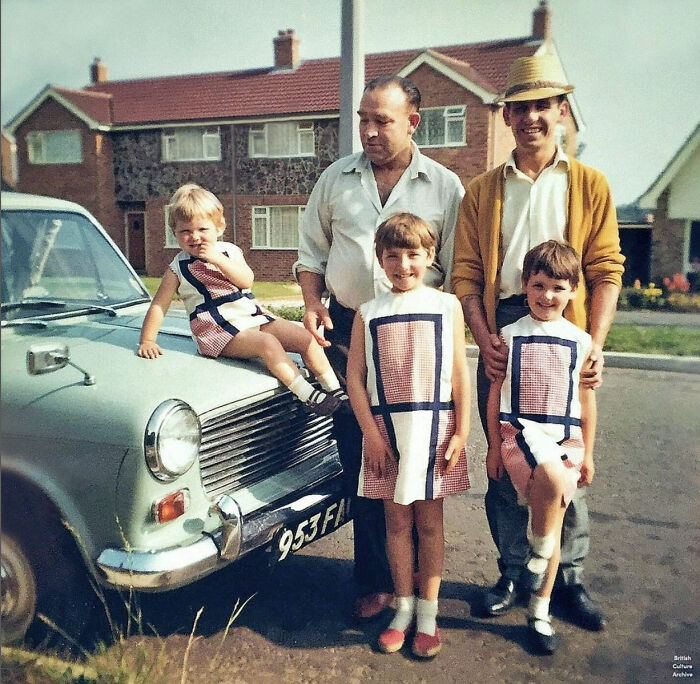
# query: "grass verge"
[672,340]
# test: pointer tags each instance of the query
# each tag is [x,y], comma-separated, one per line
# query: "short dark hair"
[409,88]
[404,230]
[555,259]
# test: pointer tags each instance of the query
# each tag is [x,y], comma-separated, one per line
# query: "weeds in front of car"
[137,654]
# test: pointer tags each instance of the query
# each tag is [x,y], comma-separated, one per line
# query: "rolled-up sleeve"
[314,233]
[447,239]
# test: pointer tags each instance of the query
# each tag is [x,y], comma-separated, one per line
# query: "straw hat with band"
[534,78]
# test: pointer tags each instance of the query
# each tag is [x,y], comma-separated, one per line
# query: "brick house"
[9,161]
[675,198]
[257,138]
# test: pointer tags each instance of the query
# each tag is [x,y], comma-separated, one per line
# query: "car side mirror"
[47,358]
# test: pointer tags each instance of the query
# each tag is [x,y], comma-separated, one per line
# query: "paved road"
[643,567]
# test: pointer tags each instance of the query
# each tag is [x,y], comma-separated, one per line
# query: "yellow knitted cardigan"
[591,230]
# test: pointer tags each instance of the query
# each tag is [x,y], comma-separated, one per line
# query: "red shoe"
[425,645]
[371,606]
[391,640]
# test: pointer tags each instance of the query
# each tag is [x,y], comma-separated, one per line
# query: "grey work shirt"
[336,238]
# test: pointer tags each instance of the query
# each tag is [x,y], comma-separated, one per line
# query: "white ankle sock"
[539,609]
[426,614]
[328,381]
[542,548]
[405,607]
[301,387]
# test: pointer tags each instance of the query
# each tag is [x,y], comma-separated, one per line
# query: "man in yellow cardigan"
[538,194]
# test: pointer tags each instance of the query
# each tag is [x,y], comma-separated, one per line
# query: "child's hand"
[494,463]
[149,350]
[377,454]
[587,471]
[454,450]
[210,254]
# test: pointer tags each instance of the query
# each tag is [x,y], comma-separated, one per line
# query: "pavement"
[662,362]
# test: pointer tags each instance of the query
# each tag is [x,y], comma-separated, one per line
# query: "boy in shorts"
[541,422]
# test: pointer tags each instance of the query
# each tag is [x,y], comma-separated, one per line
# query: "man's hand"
[494,463]
[587,471]
[317,315]
[495,355]
[377,454]
[454,449]
[592,370]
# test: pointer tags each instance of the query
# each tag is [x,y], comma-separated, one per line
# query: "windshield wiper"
[33,304]
[96,308]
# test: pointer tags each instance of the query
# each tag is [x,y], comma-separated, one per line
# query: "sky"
[635,64]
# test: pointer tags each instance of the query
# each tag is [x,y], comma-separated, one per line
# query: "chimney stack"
[98,72]
[286,50]
[542,22]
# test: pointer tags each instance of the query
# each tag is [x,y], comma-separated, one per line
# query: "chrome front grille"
[253,442]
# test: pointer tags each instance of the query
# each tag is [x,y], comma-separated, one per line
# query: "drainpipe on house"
[234,183]
[352,76]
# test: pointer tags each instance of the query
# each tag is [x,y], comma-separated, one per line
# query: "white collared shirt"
[533,212]
[336,238]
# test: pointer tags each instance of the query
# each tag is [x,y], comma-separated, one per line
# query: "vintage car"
[147,474]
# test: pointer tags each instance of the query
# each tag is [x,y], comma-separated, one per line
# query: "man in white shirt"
[537,195]
[351,199]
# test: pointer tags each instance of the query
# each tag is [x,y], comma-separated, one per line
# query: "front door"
[136,239]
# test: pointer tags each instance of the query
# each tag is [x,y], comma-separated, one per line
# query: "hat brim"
[535,94]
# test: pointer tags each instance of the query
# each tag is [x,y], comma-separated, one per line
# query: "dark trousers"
[508,520]
[372,572]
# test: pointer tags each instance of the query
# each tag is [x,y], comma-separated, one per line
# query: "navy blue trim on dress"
[519,341]
[211,304]
[525,448]
[435,406]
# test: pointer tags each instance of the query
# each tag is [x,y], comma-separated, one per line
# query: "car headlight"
[172,439]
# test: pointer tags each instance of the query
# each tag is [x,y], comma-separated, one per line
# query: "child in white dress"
[409,388]
[214,283]
[541,421]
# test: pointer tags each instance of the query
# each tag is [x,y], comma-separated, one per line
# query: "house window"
[441,127]
[192,144]
[55,147]
[281,139]
[276,227]
[170,239]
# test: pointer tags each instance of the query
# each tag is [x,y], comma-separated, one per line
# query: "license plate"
[318,524]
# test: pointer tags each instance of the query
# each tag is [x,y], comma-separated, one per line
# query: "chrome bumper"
[181,565]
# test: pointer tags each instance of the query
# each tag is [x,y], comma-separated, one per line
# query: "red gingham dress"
[218,310]
[409,341]
[540,410]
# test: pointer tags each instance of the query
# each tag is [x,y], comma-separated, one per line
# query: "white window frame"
[36,147]
[259,133]
[170,239]
[169,143]
[450,113]
[263,212]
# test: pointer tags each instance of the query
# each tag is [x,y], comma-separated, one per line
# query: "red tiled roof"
[95,105]
[312,87]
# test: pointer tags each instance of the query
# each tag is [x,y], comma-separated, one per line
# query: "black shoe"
[542,643]
[580,607]
[500,598]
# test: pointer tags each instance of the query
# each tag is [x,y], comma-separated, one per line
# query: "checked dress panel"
[217,309]
[409,340]
[540,410]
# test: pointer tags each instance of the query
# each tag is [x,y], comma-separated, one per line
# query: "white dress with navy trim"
[217,309]
[540,410]
[409,347]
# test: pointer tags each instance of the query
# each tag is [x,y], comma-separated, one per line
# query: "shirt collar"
[359,162]
[560,157]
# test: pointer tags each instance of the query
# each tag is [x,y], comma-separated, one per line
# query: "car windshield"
[58,263]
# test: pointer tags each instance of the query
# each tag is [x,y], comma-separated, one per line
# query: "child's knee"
[269,346]
[548,480]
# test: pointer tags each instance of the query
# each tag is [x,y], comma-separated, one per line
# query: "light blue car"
[147,474]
